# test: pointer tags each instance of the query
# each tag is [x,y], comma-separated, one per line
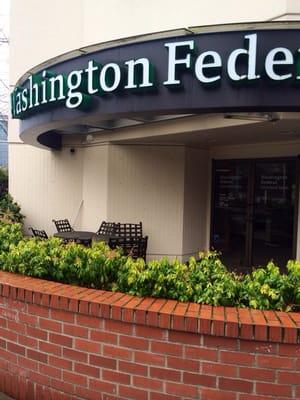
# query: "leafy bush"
[265,288]
[205,280]
[10,234]
[10,211]
[72,263]
[293,292]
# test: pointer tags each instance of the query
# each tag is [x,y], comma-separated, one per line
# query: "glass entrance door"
[254,211]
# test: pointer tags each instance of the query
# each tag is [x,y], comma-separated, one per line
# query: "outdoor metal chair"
[38,233]
[107,228]
[136,247]
[63,225]
[129,230]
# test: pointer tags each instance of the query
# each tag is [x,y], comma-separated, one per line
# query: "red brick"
[102,387]
[117,377]
[16,327]
[160,396]
[62,386]
[103,362]
[74,378]
[64,316]
[8,335]
[38,310]
[104,337]
[50,348]
[257,374]
[73,330]
[292,378]
[15,348]
[60,363]
[257,347]
[141,311]
[133,368]
[117,352]
[179,316]
[85,320]
[244,396]
[36,355]
[237,385]
[50,371]
[134,342]
[230,357]
[184,337]
[167,348]
[28,341]
[152,315]
[210,394]
[149,358]
[289,350]
[61,340]
[39,378]
[183,364]
[274,362]
[75,355]
[219,369]
[27,363]
[146,383]
[201,353]
[36,333]
[131,393]
[87,346]
[119,327]
[224,343]
[273,389]
[199,379]
[150,332]
[181,389]
[87,394]
[85,369]
[50,325]
[165,374]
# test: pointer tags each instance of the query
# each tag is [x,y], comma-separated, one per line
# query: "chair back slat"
[38,233]
[129,230]
[136,247]
[107,228]
[62,225]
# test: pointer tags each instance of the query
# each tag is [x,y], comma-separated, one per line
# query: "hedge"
[203,280]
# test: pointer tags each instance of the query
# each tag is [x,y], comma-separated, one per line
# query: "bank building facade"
[182,115]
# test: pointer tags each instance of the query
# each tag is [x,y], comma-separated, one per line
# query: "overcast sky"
[4,32]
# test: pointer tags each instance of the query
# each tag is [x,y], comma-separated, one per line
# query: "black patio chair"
[38,233]
[107,228]
[136,247]
[128,230]
[63,225]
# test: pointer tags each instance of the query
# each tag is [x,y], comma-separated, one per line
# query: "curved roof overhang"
[114,110]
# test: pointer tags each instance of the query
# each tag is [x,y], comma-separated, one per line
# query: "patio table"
[77,236]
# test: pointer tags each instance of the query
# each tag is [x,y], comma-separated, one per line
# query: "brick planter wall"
[64,342]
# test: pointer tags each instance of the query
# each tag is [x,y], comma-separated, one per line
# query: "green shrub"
[10,234]
[10,211]
[265,288]
[205,280]
[292,295]
[72,263]
[212,283]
